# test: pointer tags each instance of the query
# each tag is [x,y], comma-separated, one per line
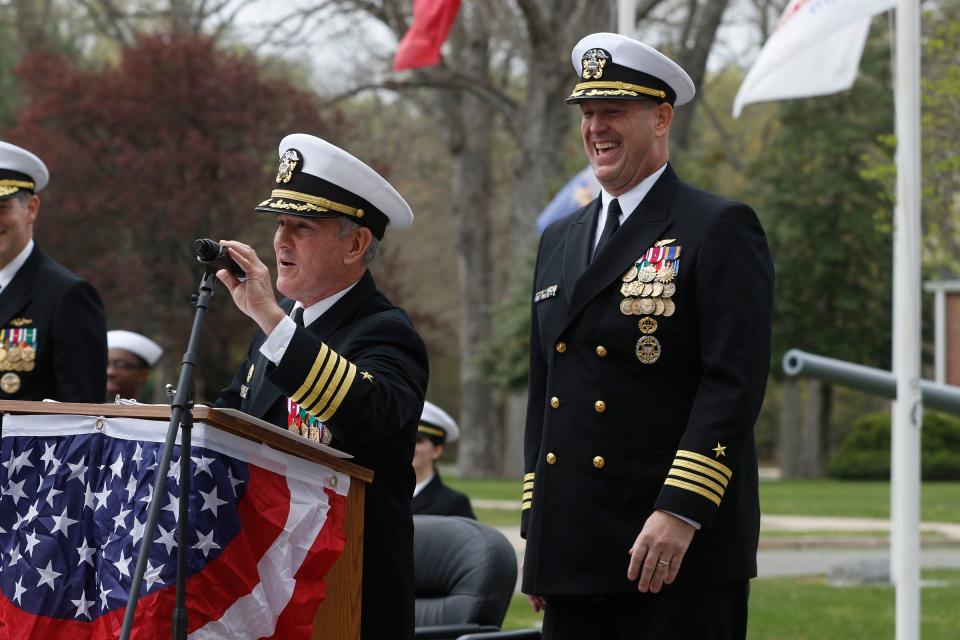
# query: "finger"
[675,563]
[246,257]
[228,279]
[637,553]
[659,572]
[536,603]
[649,569]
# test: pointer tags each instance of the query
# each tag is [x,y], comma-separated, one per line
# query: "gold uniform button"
[551,459]
[555,402]
[600,406]
[598,462]
[602,351]
[561,347]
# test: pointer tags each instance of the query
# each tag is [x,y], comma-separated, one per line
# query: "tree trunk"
[469,122]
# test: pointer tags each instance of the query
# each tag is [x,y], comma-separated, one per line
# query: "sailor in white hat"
[130,357]
[431,496]
[650,349]
[335,361]
[52,327]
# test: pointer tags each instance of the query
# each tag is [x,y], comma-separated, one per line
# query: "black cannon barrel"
[943,397]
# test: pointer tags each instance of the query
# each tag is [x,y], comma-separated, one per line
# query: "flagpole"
[627,17]
[907,414]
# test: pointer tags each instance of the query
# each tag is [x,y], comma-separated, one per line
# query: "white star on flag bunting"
[265,527]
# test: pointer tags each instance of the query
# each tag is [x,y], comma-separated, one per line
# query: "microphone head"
[207,250]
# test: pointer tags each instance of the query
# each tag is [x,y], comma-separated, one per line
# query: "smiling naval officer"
[335,360]
[650,348]
[53,333]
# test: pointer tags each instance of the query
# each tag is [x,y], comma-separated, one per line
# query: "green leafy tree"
[829,224]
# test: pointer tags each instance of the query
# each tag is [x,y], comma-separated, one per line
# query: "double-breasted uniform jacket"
[54,340]
[361,369]
[632,413]
[437,499]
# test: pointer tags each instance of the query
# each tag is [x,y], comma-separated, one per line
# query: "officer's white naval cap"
[436,424]
[20,170]
[319,180]
[136,344]
[613,66]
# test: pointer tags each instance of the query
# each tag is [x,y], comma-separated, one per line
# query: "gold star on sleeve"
[720,450]
[367,376]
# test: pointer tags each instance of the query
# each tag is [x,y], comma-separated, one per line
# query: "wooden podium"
[338,617]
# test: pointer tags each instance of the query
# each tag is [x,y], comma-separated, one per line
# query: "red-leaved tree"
[175,142]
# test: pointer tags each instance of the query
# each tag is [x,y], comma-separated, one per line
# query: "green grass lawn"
[810,609]
[939,501]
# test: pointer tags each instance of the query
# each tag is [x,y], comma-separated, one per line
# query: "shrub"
[865,452]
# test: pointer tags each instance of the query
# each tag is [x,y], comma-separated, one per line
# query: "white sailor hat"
[436,424]
[614,66]
[318,180]
[20,170]
[136,344]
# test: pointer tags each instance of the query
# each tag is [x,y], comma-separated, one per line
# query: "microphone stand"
[181,419]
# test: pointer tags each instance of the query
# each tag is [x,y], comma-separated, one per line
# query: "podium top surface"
[236,423]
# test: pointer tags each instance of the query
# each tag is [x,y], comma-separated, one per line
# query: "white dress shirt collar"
[628,201]
[317,309]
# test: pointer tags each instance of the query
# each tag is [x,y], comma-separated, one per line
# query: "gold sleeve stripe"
[680,484]
[710,484]
[699,468]
[528,495]
[308,382]
[527,485]
[528,476]
[325,384]
[525,506]
[722,468]
[341,393]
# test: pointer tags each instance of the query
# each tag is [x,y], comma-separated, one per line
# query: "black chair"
[464,572]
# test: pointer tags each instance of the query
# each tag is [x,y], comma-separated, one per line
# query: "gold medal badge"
[647,325]
[631,274]
[626,307]
[648,349]
[658,311]
[669,289]
[669,306]
[10,383]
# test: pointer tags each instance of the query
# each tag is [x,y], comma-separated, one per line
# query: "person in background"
[53,330]
[431,496]
[130,356]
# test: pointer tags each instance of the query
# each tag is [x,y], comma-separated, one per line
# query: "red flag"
[420,46]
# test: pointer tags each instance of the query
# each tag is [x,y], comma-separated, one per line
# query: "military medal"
[10,383]
[648,349]
[625,289]
[669,306]
[636,287]
[647,273]
[669,289]
[646,306]
[657,289]
[647,325]
[626,307]
[666,274]
[631,274]
[658,311]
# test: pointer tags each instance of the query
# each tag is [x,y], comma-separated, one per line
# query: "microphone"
[215,257]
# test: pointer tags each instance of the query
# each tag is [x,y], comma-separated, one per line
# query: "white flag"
[814,50]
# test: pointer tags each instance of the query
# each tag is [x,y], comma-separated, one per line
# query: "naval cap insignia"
[593,62]
[288,163]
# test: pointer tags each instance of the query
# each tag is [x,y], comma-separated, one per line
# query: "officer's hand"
[664,539]
[255,295]
[537,602]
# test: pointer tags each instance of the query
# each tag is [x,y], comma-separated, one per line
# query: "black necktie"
[298,316]
[610,226]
